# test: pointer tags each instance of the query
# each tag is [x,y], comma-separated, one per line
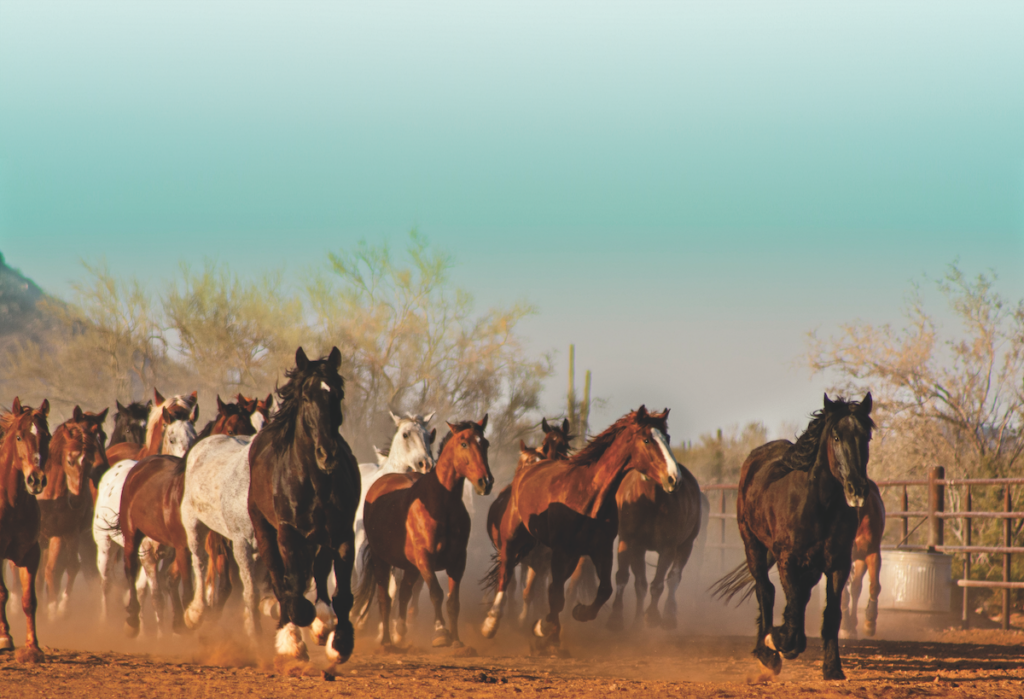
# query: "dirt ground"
[217,663]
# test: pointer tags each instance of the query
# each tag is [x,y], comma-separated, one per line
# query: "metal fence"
[723,512]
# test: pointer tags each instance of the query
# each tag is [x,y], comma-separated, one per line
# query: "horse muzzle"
[35,482]
[854,496]
[483,485]
[324,460]
[670,481]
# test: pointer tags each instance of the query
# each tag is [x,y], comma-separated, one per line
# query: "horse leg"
[288,640]
[757,563]
[31,653]
[295,559]
[381,574]
[197,534]
[602,560]
[549,628]
[790,639]
[404,594]
[150,583]
[874,566]
[183,567]
[831,665]
[529,580]
[243,554]
[653,616]
[324,623]
[51,579]
[675,576]
[342,639]
[442,636]
[132,541]
[851,600]
[509,555]
[6,642]
[615,622]
[638,564]
[72,565]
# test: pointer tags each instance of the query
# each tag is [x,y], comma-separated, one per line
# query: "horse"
[25,446]
[570,507]
[651,519]
[261,411]
[797,506]
[161,413]
[418,523]
[177,436]
[303,495]
[536,565]
[65,505]
[232,419]
[130,423]
[867,558]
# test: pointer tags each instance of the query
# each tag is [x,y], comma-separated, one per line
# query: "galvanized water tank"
[916,581]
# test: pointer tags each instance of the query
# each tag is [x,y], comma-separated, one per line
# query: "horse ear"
[522,446]
[641,412]
[334,359]
[194,414]
[102,417]
[828,403]
[167,417]
[193,397]
[270,400]
[483,423]
[220,403]
[301,361]
[865,405]
[16,408]
[76,414]
[428,417]
[433,435]
[120,408]
[44,407]
[544,425]
[157,398]
[565,425]
[394,417]
[450,426]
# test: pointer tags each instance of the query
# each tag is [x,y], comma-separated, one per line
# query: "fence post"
[1007,507]
[906,525]
[936,505]
[965,620]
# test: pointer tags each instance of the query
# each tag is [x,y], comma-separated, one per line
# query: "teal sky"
[683,189]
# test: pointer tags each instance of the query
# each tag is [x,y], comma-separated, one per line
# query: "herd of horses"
[277,496]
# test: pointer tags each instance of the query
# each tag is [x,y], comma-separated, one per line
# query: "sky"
[684,190]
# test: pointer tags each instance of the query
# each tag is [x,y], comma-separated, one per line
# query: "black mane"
[459,426]
[289,396]
[802,455]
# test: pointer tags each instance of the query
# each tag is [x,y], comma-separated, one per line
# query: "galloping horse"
[161,414]
[303,495]
[536,565]
[570,506]
[418,523]
[65,505]
[130,423]
[796,505]
[25,445]
[652,520]
[867,558]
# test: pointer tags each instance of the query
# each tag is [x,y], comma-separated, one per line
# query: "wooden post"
[936,505]
[585,411]
[906,525]
[1007,507]
[965,620]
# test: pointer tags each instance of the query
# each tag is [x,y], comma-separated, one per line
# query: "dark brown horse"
[797,506]
[232,418]
[652,520]
[867,558]
[130,423]
[25,447]
[570,507]
[65,505]
[161,414]
[304,489]
[536,565]
[418,523]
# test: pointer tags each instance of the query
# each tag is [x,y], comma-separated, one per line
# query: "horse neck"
[825,486]
[10,477]
[155,442]
[56,477]
[597,482]
[445,474]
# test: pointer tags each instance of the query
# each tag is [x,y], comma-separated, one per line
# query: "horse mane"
[803,454]
[289,397]
[459,427]
[598,445]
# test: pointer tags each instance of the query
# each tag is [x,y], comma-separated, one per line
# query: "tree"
[412,342]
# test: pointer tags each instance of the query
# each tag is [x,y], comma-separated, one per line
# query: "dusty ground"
[950,663]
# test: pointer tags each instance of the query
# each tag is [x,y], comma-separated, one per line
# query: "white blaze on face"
[323,385]
[34,431]
[257,420]
[670,461]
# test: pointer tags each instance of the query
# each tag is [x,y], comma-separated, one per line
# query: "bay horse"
[25,447]
[303,495]
[867,558]
[419,524]
[536,565]
[130,423]
[231,419]
[570,507]
[66,503]
[797,506]
[261,412]
[161,414]
[651,519]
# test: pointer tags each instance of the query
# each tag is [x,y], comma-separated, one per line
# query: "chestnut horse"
[26,441]
[797,506]
[867,558]
[303,495]
[262,411]
[65,505]
[570,507]
[232,418]
[161,414]
[652,520]
[536,565]
[418,523]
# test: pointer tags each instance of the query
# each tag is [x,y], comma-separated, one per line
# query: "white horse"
[106,531]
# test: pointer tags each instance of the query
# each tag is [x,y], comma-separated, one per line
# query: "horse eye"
[647,441]
[835,438]
[464,445]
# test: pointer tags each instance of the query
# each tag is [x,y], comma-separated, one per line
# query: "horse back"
[19,524]
[547,500]
[151,499]
[123,451]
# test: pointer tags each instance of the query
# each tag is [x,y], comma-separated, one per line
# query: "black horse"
[130,423]
[797,506]
[303,493]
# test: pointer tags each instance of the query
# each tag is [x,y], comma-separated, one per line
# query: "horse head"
[234,418]
[528,456]
[650,453]
[82,448]
[130,423]
[320,390]
[262,413]
[179,426]
[411,446]
[556,444]
[27,442]
[464,452]
[846,439]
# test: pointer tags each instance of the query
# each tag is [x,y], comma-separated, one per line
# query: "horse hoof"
[581,612]
[288,642]
[193,617]
[490,626]
[653,620]
[270,607]
[850,634]
[770,662]
[442,639]
[130,630]
[335,656]
[869,628]
[29,654]
[835,673]
[458,644]
[770,642]
[6,643]
[302,611]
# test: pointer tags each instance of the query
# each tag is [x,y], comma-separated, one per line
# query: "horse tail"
[364,592]
[738,581]
[490,580]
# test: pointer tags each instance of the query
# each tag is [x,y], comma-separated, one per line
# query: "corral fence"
[898,495]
